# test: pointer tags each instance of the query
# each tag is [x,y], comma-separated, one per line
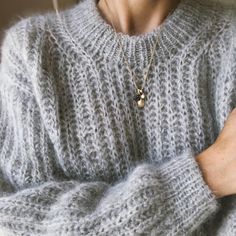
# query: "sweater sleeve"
[171,199]
[225,102]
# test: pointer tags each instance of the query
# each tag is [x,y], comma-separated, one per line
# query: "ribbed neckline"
[87,26]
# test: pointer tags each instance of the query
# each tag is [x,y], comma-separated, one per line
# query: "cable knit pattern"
[78,157]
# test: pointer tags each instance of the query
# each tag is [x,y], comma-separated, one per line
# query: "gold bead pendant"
[140,98]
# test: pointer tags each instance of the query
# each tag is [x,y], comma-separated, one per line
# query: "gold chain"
[140,96]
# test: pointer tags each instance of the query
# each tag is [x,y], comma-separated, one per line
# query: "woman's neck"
[135,17]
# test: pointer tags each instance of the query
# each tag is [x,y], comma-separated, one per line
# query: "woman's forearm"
[218,162]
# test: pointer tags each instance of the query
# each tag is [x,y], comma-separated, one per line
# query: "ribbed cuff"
[189,196]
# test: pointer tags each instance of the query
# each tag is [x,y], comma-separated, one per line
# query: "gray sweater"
[78,157]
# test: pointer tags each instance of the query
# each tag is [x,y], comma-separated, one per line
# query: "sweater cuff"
[187,192]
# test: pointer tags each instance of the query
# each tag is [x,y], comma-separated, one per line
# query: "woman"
[113,120]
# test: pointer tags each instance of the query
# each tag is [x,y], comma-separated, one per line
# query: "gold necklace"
[140,96]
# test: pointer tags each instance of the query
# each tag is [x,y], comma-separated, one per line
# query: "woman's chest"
[98,129]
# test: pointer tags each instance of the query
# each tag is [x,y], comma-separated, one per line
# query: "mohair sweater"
[78,157]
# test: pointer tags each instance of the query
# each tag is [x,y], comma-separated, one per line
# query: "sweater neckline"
[86,26]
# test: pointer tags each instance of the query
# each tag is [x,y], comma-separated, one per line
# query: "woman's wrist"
[211,173]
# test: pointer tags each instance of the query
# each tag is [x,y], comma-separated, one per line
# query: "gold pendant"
[140,98]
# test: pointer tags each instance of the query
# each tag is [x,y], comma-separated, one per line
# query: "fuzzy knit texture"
[78,157]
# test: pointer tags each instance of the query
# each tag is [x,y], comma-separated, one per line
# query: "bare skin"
[135,17]
[217,162]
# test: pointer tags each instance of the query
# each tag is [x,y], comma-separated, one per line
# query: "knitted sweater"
[78,157]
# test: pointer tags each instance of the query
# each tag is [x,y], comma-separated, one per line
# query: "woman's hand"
[218,162]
